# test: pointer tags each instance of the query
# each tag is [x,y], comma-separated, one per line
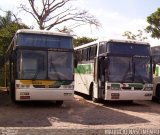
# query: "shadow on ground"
[46,114]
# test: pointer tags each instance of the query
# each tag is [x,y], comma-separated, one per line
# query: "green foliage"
[140,36]
[129,35]
[7,30]
[154,24]
[5,20]
[6,35]
[82,40]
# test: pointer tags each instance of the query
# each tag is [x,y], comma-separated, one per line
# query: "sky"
[115,16]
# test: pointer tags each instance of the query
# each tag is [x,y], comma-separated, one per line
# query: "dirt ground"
[79,116]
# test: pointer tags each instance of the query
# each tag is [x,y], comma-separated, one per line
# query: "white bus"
[39,66]
[156,72]
[114,70]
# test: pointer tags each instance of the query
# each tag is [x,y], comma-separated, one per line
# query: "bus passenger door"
[101,77]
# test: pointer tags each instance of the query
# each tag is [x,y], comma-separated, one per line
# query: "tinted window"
[102,48]
[60,65]
[85,54]
[32,64]
[38,40]
[93,51]
[128,48]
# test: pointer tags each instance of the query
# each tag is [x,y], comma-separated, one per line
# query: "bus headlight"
[148,85]
[115,86]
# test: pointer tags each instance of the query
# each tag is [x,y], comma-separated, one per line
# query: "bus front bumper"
[128,95]
[44,94]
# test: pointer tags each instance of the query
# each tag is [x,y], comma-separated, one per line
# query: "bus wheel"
[59,102]
[92,94]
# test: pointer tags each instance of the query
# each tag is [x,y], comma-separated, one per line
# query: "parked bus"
[114,70]
[156,72]
[39,66]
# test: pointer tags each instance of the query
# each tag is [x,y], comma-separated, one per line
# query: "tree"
[50,13]
[140,36]
[8,27]
[129,35]
[65,30]
[6,35]
[82,40]
[154,24]
[8,18]
[5,20]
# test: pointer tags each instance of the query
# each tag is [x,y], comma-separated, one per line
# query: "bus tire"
[59,102]
[92,94]
[158,93]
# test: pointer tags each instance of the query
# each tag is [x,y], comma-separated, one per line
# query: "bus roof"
[45,32]
[111,40]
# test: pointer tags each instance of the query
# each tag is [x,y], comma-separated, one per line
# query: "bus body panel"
[84,77]
[83,82]
[31,90]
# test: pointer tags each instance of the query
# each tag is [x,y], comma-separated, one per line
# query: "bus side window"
[79,55]
[93,51]
[102,48]
[85,53]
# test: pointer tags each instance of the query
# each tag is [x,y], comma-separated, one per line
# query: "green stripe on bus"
[83,69]
[140,86]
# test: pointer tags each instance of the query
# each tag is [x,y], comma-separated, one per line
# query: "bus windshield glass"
[60,65]
[142,69]
[44,65]
[40,40]
[129,69]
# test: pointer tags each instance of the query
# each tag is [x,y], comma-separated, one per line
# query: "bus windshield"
[129,69]
[44,65]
